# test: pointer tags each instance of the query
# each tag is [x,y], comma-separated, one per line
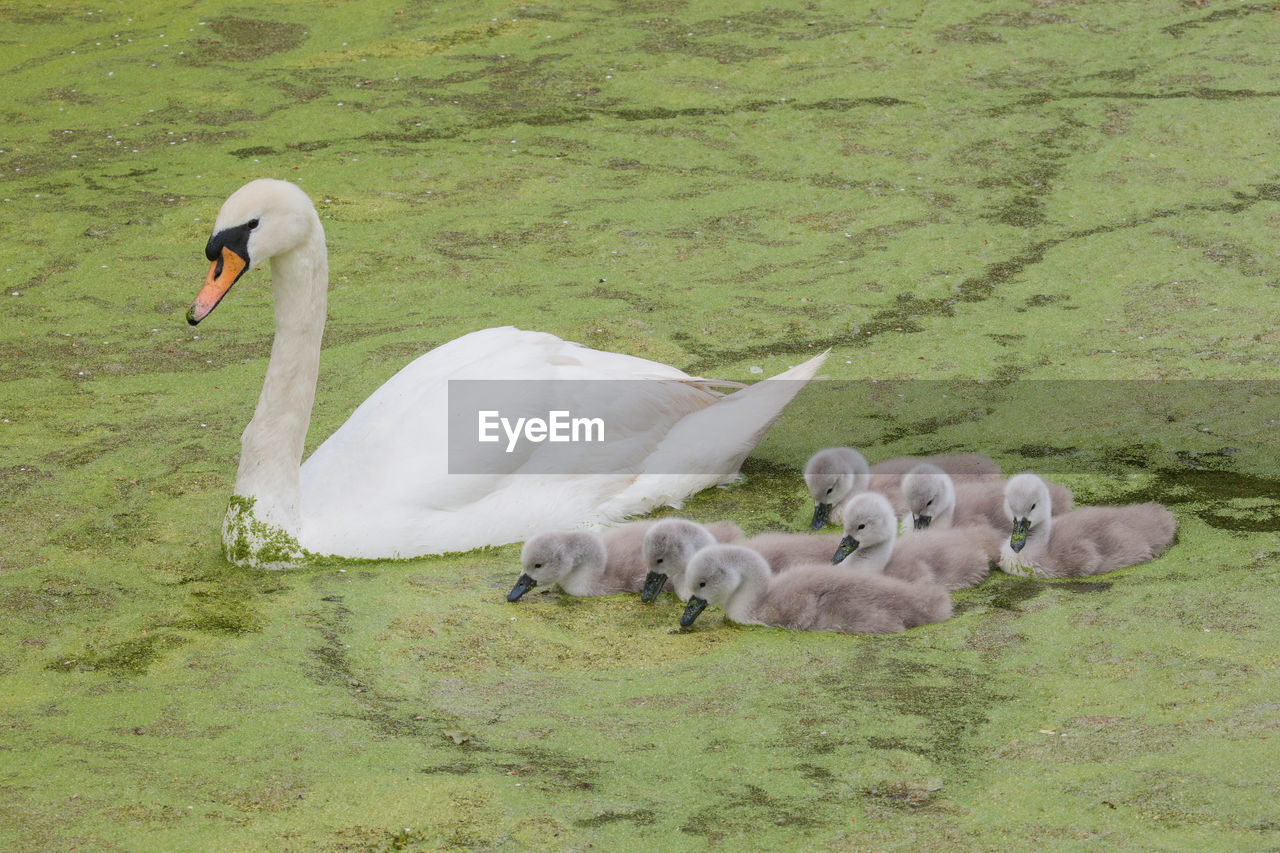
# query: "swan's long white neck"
[272,444]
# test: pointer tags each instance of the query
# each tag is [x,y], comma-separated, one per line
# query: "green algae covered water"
[1017,192]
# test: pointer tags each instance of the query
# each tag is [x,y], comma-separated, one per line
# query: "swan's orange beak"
[223,273]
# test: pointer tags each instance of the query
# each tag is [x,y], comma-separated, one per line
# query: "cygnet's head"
[549,557]
[868,520]
[929,492]
[714,575]
[1026,504]
[668,546]
[832,477]
[261,219]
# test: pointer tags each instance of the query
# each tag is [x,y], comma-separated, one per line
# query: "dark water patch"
[1242,259]
[1042,451]
[814,773]
[126,658]
[252,151]
[332,667]
[1029,169]
[1179,29]
[845,104]
[909,796]
[244,40]
[69,95]
[457,768]
[640,817]
[1008,593]
[979,287]
[59,356]
[16,479]
[557,771]
[1202,93]
[1079,587]
[635,300]
[951,700]
[969,34]
[736,813]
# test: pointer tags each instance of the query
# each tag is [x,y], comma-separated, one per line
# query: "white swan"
[380,486]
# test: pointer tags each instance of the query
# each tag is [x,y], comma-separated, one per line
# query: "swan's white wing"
[380,484]
[708,447]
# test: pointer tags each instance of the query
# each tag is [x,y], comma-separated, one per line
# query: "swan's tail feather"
[708,447]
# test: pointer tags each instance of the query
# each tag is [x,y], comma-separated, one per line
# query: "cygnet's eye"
[659,560]
[701,585]
[860,526]
[1033,506]
[251,224]
[537,565]
[929,502]
[830,490]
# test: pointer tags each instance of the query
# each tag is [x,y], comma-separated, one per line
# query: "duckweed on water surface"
[1049,197]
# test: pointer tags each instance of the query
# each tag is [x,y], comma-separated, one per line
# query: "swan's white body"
[380,486]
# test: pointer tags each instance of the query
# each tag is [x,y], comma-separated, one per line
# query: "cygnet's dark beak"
[524,583]
[691,610]
[820,514]
[847,546]
[653,584]
[922,521]
[1019,538]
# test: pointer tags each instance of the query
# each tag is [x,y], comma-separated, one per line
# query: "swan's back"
[391,457]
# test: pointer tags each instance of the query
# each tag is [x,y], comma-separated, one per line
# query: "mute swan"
[808,598]
[668,546]
[1085,541]
[935,501]
[836,474]
[955,557]
[584,563]
[380,485]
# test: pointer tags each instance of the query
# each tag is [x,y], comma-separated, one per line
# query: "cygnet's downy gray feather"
[585,563]
[782,551]
[935,499]
[955,557]
[808,598]
[836,474]
[1085,541]
[668,546]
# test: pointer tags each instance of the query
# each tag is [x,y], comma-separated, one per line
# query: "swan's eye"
[701,585]
[860,526]
[1033,506]
[830,490]
[537,565]
[659,561]
[929,502]
[251,224]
